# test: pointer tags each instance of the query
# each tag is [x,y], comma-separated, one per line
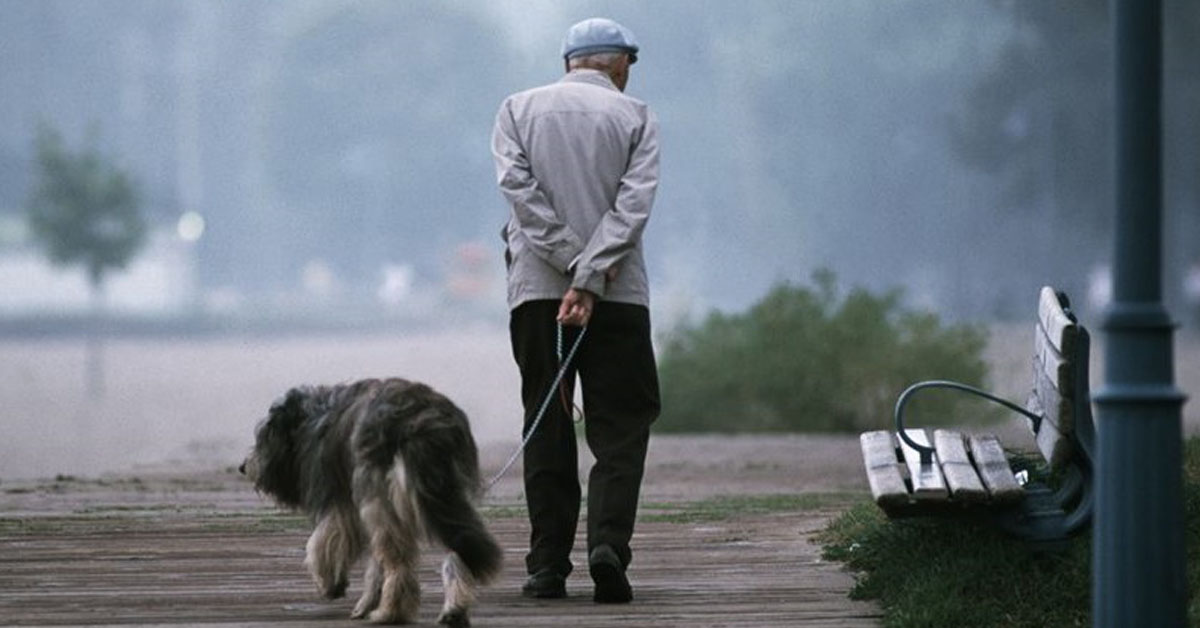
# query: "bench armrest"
[926,451]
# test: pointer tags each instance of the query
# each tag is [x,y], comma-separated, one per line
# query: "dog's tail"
[441,463]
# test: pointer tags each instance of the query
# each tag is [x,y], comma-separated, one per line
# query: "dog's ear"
[296,396]
[275,450]
[294,402]
[286,416]
[290,400]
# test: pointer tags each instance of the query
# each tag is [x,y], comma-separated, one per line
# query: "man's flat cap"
[599,34]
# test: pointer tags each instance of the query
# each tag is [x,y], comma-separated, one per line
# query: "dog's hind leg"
[393,527]
[459,585]
[372,585]
[332,549]
[443,470]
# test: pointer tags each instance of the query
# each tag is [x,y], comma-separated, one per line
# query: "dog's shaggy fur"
[376,464]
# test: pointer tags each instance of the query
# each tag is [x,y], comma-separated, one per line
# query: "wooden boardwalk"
[224,571]
[192,550]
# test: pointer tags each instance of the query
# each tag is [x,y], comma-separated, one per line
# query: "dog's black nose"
[242,468]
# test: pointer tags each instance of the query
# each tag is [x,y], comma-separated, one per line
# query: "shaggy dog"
[376,464]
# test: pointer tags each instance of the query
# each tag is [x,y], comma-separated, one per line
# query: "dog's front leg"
[372,586]
[331,550]
[400,596]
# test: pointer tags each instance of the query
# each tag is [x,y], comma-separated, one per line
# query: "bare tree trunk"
[95,343]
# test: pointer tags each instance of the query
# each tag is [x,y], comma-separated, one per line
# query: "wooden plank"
[961,477]
[1054,436]
[927,481]
[993,468]
[1057,367]
[885,473]
[1056,402]
[1060,329]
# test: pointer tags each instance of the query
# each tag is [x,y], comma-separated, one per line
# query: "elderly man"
[577,161]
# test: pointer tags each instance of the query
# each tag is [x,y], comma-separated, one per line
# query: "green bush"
[808,359]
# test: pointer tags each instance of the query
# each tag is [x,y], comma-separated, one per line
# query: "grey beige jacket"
[577,161]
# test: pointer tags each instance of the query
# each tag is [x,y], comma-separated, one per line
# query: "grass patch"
[243,522]
[723,508]
[118,519]
[143,509]
[955,572]
[60,484]
[504,511]
[932,572]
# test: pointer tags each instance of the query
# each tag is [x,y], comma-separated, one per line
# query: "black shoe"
[545,584]
[609,575]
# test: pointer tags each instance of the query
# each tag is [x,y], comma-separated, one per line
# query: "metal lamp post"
[1138,571]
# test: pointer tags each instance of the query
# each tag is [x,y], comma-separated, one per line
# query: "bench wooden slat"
[884,471]
[1054,402]
[1058,423]
[993,468]
[961,477]
[1061,330]
[1055,365]
[927,481]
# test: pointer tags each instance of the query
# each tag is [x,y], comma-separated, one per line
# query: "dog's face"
[272,465]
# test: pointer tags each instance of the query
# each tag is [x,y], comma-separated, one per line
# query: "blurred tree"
[395,170]
[13,169]
[1040,120]
[84,211]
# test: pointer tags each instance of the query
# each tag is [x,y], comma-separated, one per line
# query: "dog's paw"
[336,589]
[455,618]
[381,616]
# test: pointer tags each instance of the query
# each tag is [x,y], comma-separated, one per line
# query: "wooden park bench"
[970,475]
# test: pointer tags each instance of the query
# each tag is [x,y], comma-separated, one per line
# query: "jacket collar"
[588,75]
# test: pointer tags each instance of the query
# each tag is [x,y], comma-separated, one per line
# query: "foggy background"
[313,168]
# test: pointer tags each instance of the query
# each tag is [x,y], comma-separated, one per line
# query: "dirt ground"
[679,468]
[193,403]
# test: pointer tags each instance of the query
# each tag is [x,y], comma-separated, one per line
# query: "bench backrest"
[1060,391]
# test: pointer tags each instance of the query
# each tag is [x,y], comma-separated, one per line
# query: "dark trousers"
[617,371]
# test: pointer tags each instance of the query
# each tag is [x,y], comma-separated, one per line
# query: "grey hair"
[595,60]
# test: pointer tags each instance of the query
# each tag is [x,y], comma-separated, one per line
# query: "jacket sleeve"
[548,236]
[621,228]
